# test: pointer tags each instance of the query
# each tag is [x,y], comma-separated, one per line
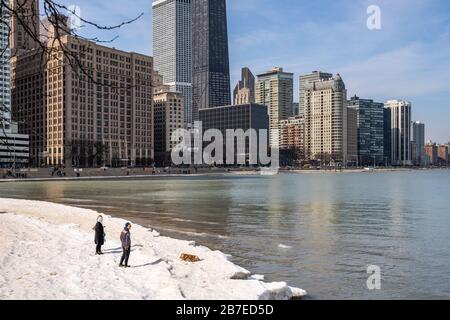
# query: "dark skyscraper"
[370,126]
[210,62]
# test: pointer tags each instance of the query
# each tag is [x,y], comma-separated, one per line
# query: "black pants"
[125,255]
[98,249]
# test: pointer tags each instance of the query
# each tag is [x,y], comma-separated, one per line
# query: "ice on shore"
[47,252]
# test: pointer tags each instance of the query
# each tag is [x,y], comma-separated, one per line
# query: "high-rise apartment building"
[101,114]
[370,127]
[275,89]
[14,147]
[431,152]
[244,92]
[210,61]
[326,120]
[442,155]
[309,78]
[401,154]
[168,117]
[5,88]
[28,91]
[172,47]
[292,135]
[352,136]
[25,26]
[387,137]
[418,140]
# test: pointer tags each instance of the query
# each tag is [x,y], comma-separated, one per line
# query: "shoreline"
[48,253]
[221,174]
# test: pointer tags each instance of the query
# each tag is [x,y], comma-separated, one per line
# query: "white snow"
[47,252]
[285,247]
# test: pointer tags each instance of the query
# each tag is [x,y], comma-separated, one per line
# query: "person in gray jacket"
[125,238]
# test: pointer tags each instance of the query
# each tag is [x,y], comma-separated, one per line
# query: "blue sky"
[409,58]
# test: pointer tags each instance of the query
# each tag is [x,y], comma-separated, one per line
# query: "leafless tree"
[47,36]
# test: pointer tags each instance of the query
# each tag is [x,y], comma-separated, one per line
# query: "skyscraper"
[326,120]
[14,147]
[309,78]
[401,154]
[25,26]
[244,92]
[172,47]
[210,61]
[387,136]
[28,95]
[275,89]
[352,136]
[370,124]
[5,90]
[418,139]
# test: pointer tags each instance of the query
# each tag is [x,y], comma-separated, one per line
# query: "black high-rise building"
[387,136]
[210,62]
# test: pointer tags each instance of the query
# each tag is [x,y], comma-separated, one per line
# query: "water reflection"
[317,231]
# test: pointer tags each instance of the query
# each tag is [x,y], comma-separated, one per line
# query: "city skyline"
[403,52]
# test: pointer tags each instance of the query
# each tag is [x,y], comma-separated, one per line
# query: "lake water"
[317,231]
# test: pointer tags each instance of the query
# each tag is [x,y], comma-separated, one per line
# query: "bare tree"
[44,30]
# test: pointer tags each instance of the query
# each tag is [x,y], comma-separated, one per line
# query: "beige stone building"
[99,106]
[275,90]
[326,121]
[28,97]
[169,116]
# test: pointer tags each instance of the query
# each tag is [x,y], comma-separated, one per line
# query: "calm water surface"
[330,226]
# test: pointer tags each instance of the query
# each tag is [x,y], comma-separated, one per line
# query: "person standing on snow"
[125,238]
[99,235]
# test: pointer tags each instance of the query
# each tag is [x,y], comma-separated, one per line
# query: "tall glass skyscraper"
[418,139]
[370,123]
[172,47]
[210,63]
[400,132]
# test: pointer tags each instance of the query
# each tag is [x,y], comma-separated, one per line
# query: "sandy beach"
[47,252]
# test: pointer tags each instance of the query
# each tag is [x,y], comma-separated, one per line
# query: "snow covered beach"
[47,252]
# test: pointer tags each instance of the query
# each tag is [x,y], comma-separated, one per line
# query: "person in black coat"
[99,235]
